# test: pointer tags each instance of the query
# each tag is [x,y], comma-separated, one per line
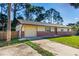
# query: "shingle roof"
[40,23]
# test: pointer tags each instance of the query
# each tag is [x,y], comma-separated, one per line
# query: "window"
[48,29]
[68,30]
[62,30]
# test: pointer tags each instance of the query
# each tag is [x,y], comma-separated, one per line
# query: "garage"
[30,31]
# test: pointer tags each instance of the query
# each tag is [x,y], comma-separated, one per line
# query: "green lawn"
[69,40]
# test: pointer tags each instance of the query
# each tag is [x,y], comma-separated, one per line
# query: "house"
[40,29]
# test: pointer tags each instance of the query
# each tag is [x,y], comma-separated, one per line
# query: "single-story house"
[40,29]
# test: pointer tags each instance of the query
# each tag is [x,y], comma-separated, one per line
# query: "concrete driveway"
[18,50]
[57,48]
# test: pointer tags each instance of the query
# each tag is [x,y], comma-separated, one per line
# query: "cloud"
[76,18]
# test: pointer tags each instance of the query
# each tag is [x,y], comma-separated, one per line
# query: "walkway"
[57,48]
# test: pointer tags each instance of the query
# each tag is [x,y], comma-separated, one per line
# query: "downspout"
[37,31]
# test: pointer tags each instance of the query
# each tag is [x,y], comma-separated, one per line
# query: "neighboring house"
[40,29]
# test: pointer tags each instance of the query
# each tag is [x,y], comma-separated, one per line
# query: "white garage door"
[30,31]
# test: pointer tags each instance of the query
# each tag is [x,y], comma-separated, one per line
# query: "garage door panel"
[30,31]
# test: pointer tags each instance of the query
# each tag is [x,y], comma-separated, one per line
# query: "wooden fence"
[3,34]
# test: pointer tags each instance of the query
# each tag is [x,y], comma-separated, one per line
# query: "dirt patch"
[18,50]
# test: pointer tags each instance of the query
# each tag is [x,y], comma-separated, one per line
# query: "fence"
[3,34]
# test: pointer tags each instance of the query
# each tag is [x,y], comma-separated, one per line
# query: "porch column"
[20,34]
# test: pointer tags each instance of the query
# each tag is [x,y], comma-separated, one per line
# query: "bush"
[77,32]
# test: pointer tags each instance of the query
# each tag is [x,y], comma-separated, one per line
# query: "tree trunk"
[14,11]
[9,23]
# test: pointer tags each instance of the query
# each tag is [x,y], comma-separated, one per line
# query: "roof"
[40,23]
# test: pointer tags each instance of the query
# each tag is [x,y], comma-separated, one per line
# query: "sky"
[67,12]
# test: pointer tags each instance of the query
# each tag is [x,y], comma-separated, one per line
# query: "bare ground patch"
[18,50]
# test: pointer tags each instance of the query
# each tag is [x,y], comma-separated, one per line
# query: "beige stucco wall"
[52,29]
[64,29]
[70,29]
[31,30]
[40,28]
[18,27]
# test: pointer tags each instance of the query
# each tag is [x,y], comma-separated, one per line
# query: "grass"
[2,43]
[39,49]
[13,41]
[69,40]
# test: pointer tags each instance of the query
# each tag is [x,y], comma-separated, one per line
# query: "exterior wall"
[45,33]
[18,27]
[64,32]
[41,28]
[33,31]
[60,29]
[42,31]
[53,29]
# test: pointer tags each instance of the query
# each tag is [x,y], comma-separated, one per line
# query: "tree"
[27,7]
[3,7]
[49,15]
[54,16]
[76,5]
[71,24]
[40,17]
[38,12]
[75,27]
[60,20]
[3,15]
[77,23]
[32,11]
[3,21]
[17,7]
[20,17]
[9,23]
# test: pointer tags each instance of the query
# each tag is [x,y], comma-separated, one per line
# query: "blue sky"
[69,13]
